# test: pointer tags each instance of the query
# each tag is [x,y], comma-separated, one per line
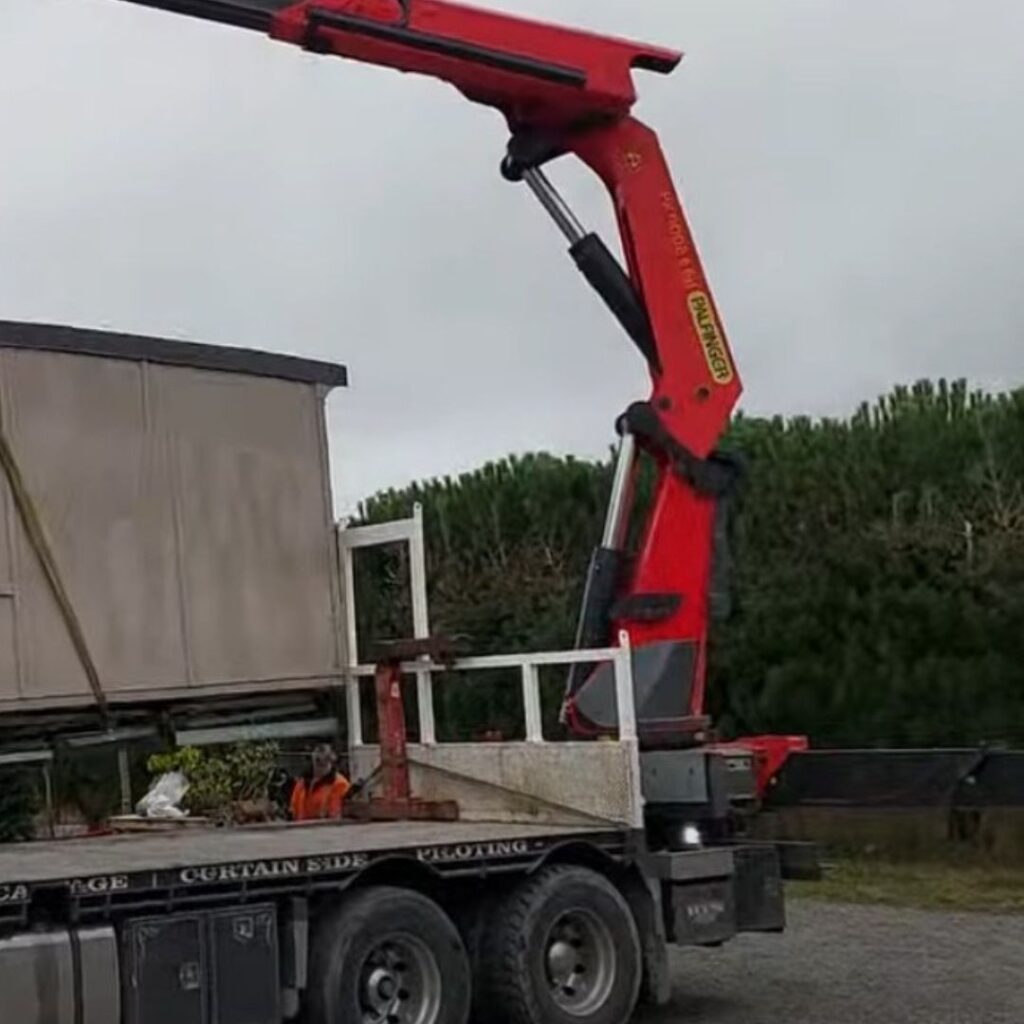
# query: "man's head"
[324,760]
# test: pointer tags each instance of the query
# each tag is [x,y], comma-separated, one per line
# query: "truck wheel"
[388,956]
[562,949]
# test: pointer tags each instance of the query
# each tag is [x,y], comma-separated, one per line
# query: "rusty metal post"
[394,756]
[396,802]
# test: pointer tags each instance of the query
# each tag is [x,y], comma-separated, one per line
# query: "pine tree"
[879,584]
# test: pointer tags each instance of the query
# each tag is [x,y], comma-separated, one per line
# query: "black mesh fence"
[968,778]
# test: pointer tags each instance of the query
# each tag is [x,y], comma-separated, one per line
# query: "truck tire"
[563,948]
[388,956]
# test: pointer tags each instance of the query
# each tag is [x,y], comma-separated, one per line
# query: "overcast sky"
[853,169]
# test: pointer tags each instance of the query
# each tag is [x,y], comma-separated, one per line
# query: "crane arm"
[563,91]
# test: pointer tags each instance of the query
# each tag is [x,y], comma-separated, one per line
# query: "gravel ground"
[840,964]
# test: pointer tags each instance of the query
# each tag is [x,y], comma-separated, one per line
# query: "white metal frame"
[350,539]
[410,532]
[529,665]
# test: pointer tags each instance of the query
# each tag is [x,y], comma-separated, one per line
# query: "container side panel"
[8,651]
[6,529]
[101,483]
[331,551]
[249,489]
[8,639]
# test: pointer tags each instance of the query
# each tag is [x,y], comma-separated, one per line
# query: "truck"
[170,566]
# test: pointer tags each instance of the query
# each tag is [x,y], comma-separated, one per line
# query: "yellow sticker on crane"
[711,338]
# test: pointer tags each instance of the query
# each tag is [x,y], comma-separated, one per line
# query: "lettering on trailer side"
[13,894]
[472,851]
[98,885]
[336,862]
[212,873]
[288,867]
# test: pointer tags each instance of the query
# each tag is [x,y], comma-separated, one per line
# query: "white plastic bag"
[164,797]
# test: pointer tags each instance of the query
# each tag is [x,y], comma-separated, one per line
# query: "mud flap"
[760,902]
[704,913]
[708,912]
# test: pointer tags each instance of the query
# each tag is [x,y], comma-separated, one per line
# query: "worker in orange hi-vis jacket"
[320,792]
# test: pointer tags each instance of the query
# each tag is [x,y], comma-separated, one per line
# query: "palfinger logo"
[711,338]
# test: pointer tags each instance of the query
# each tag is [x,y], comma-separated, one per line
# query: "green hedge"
[879,570]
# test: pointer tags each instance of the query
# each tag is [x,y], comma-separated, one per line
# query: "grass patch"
[926,886]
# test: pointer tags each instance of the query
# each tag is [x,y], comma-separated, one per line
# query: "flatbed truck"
[535,916]
[572,863]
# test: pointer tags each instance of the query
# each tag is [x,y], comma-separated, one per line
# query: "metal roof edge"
[168,352]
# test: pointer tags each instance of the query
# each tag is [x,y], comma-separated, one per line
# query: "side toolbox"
[219,967]
[244,972]
[165,970]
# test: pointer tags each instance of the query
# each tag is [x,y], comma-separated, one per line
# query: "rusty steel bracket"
[442,650]
[397,802]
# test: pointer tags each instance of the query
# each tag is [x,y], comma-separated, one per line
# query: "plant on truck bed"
[223,785]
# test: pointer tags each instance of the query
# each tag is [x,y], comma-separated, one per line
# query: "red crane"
[565,92]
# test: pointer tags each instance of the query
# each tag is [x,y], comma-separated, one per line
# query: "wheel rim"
[399,983]
[579,959]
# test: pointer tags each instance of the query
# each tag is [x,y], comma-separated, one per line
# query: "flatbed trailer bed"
[188,865]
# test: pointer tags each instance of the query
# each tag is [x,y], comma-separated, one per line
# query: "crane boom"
[564,91]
